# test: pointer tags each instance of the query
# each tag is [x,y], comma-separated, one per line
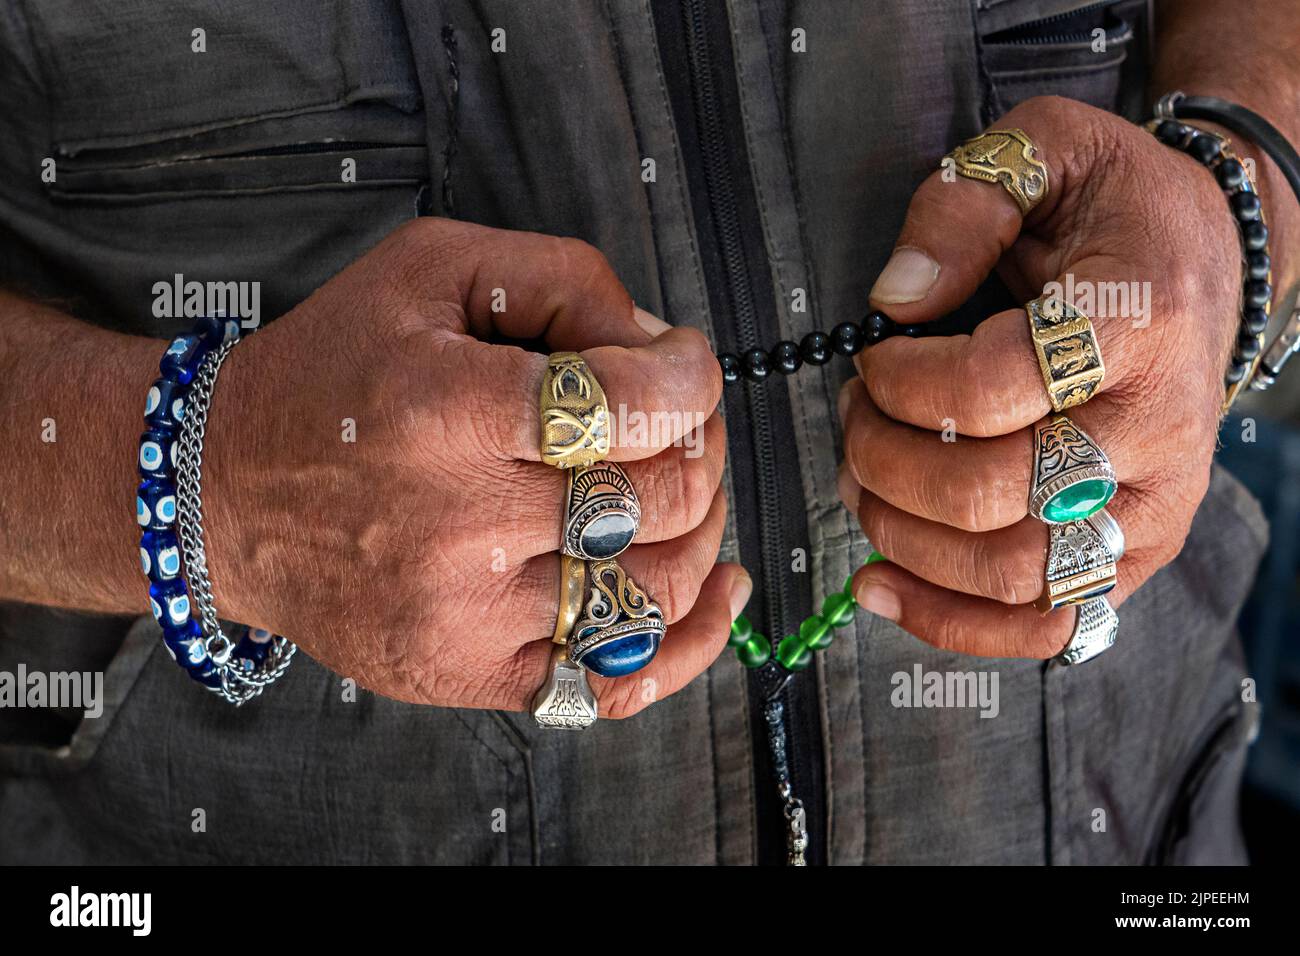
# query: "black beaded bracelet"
[816,348]
[1212,151]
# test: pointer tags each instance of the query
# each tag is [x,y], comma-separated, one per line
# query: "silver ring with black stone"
[601,514]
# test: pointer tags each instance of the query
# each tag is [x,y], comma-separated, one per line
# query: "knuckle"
[677,585]
[621,699]
[970,509]
[422,249]
[1009,579]
[587,268]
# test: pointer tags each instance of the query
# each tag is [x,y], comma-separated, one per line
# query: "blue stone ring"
[602,513]
[620,628]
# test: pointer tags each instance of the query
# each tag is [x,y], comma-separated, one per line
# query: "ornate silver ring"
[1080,561]
[1073,479]
[602,513]
[1095,627]
[620,628]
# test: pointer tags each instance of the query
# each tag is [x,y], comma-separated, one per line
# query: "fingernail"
[741,589]
[908,276]
[879,599]
[849,490]
[653,325]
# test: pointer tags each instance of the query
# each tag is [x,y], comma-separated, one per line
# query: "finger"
[957,228]
[1005,565]
[688,648]
[976,484]
[979,484]
[527,500]
[670,573]
[981,385]
[974,625]
[658,394]
[521,285]
[989,382]
[959,622]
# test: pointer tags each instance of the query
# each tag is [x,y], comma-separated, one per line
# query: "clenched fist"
[952,515]
[418,555]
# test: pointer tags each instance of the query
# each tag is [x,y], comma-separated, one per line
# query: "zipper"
[722,200]
[1030,34]
[699,71]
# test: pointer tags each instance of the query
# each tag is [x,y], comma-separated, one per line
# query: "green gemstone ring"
[1073,478]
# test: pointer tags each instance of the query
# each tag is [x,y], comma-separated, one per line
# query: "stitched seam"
[453,118]
[680,176]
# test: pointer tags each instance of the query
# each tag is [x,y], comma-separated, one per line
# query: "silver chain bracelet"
[241,680]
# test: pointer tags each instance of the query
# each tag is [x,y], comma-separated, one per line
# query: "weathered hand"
[952,515]
[420,558]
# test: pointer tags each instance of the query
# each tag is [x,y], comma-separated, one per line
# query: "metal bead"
[877,327]
[1245,206]
[1247,347]
[1170,132]
[1254,320]
[1257,265]
[1257,294]
[1254,235]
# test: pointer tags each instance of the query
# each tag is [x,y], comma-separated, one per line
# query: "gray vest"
[550,135]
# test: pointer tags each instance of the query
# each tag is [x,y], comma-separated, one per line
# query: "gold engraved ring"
[575,415]
[1068,354]
[1008,157]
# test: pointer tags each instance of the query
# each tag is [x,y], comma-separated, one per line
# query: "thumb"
[957,228]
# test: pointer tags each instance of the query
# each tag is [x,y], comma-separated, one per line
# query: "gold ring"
[1004,156]
[575,417]
[1068,354]
[573,575]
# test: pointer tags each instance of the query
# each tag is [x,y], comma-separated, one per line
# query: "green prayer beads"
[816,633]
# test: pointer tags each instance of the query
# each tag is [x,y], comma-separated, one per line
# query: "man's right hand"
[373,488]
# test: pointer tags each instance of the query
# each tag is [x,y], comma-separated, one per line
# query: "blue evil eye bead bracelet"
[169,511]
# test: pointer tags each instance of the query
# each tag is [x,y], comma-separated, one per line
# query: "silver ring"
[1105,525]
[1080,563]
[565,701]
[1095,627]
[1073,479]
[620,628]
[602,513]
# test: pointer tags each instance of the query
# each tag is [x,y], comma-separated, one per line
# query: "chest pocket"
[241,141]
[1095,52]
